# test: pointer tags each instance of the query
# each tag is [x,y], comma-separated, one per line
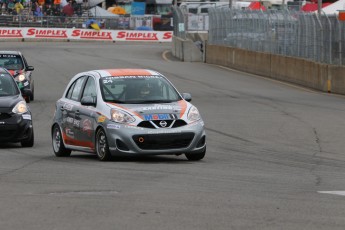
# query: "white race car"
[126,112]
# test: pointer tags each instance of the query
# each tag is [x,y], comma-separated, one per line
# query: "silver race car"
[126,112]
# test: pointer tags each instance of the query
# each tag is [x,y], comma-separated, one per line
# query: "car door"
[69,106]
[85,115]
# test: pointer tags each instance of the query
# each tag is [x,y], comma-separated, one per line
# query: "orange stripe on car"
[71,141]
[129,72]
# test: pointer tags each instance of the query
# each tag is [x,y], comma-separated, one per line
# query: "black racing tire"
[58,145]
[195,156]
[29,142]
[102,147]
[32,97]
[27,99]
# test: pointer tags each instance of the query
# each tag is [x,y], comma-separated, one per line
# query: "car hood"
[7,103]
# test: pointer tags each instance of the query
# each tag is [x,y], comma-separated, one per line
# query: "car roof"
[9,52]
[126,72]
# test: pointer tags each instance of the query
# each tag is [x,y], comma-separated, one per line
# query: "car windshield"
[138,90]
[11,62]
[8,86]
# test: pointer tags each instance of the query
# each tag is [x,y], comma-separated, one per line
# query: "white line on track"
[340,193]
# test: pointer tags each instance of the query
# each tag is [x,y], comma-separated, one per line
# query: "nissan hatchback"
[127,112]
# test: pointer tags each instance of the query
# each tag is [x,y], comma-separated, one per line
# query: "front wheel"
[32,97]
[102,147]
[196,156]
[29,142]
[58,145]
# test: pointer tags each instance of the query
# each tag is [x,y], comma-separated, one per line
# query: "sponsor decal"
[47,33]
[69,132]
[167,36]
[68,107]
[160,107]
[87,127]
[101,119]
[150,117]
[26,116]
[11,33]
[113,126]
[107,80]
[133,127]
[92,34]
[76,123]
[70,120]
[26,83]
[138,36]
[8,56]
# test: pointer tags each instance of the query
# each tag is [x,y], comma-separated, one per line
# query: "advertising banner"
[85,34]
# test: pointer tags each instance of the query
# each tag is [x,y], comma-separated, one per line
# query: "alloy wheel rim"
[57,141]
[101,145]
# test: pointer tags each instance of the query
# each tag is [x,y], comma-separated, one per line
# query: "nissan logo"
[163,124]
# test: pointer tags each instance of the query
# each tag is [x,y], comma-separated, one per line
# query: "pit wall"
[186,50]
[323,77]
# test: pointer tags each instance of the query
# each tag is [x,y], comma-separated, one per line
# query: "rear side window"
[76,89]
[90,88]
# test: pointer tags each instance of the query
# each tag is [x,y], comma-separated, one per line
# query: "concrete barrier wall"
[323,77]
[186,50]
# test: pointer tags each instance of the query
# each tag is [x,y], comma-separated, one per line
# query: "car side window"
[76,89]
[25,62]
[90,88]
[70,90]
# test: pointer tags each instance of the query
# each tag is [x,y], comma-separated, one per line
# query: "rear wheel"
[29,142]
[58,145]
[102,148]
[196,156]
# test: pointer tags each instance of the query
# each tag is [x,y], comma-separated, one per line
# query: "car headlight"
[20,108]
[193,114]
[21,77]
[121,117]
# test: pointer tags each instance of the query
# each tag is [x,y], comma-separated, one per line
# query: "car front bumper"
[132,140]
[15,127]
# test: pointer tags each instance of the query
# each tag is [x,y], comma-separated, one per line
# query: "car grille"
[170,124]
[4,116]
[7,132]
[163,141]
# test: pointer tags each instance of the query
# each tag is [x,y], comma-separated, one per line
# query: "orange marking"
[128,72]
[71,141]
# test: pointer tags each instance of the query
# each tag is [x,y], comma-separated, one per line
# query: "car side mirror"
[187,96]
[30,68]
[88,101]
[27,92]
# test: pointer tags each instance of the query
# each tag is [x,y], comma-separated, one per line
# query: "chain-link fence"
[184,22]
[316,37]
[320,38]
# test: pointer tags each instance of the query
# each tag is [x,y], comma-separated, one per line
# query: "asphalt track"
[275,154]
